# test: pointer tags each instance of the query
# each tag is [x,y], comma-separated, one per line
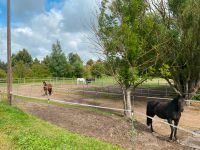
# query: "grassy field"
[19,130]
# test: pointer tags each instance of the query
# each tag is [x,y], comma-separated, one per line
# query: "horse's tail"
[150,111]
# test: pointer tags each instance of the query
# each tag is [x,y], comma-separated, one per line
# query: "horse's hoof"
[170,139]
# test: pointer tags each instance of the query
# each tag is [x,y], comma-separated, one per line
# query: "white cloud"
[66,25]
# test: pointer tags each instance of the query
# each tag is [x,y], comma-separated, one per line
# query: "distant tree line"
[54,65]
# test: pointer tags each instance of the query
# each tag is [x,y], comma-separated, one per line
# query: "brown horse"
[47,87]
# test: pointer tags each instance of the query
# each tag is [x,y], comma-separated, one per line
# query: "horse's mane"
[176,98]
[175,102]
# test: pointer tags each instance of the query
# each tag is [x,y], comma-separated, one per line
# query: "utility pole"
[9,69]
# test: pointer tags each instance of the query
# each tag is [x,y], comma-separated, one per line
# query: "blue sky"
[36,24]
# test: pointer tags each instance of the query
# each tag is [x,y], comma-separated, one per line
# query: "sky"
[37,24]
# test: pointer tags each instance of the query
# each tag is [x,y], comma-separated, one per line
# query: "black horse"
[89,80]
[166,110]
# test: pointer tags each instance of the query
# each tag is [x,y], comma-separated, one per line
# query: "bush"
[2,73]
[196,96]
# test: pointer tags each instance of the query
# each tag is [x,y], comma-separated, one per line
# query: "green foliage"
[165,72]
[3,65]
[124,33]
[2,73]
[36,61]
[20,70]
[87,71]
[76,65]
[180,38]
[23,131]
[58,62]
[40,70]
[197,96]
[22,56]
[46,61]
[90,62]
[97,70]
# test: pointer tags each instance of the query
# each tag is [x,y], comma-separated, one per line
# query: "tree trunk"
[128,102]
[132,101]
[124,101]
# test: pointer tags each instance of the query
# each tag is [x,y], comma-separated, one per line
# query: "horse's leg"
[50,91]
[175,128]
[152,127]
[150,114]
[172,129]
[150,122]
[45,92]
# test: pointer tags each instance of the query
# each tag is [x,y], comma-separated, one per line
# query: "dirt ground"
[114,129]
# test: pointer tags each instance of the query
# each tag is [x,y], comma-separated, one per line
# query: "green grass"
[19,130]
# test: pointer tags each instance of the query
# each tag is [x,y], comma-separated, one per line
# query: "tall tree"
[46,60]
[76,64]
[58,61]
[23,56]
[123,33]
[179,25]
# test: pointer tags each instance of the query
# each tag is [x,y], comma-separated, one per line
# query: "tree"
[46,61]
[77,65]
[3,65]
[40,70]
[97,70]
[36,61]
[20,70]
[90,62]
[58,62]
[22,56]
[179,25]
[123,34]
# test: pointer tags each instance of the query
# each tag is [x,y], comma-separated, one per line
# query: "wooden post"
[9,69]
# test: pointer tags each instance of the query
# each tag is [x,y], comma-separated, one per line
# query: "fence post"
[83,90]
[17,86]
[62,81]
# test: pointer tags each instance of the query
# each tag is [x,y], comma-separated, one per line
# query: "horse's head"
[44,83]
[181,103]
